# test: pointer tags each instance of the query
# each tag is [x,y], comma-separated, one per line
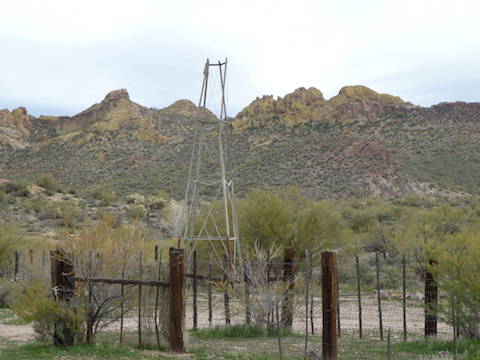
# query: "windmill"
[209,215]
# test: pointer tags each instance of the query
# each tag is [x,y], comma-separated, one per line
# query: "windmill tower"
[209,219]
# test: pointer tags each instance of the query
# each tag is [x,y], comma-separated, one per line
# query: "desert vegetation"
[363,173]
[420,227]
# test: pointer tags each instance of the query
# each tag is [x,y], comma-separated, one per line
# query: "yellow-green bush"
[63,322]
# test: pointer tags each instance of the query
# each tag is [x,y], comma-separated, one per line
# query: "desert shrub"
[64,212]
[2,195]
[135,199]
[136,211]
[149,203]
[106,215]
[37,203]
[172,216]
[6,286]
[94,305]
[99,249]
[64,322]
[456,257]
[105,196]
[19,188]
[285,217]
[48,182]
[10,239]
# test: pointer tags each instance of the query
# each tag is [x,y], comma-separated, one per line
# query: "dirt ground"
[392,319]
[21,334]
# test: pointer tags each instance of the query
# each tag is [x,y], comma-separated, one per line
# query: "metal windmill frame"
[209,210]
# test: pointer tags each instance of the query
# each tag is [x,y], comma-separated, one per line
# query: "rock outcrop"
[18,118]
[14,128]
[353,103]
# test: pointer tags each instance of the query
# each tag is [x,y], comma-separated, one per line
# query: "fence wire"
[375,294]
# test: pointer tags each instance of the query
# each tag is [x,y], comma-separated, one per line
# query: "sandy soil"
[392,318]
[21,334]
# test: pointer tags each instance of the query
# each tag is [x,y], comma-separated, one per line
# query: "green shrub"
[64,322]
[65,212]
[136,211]
[6,286]
[37,203]
[19,188]
[456,258]
[10,239]
[48,182]
[2,195]
[105,196]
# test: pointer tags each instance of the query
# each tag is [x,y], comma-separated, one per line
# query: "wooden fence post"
[247,281]
[17,265]
[379,298]
[157,297]
[62,290]
[195,289]
[289,256]
[359,295]
[227,284]
[431,303]
[329,305]
[140,271]
[404,301]
[209,290]
[177,301]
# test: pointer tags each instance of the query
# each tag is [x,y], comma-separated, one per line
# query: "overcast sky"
[59,57]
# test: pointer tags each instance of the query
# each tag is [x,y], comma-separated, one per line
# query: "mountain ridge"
[357,143]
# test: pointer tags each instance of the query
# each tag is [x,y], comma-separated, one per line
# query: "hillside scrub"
[445,229]
[94,250]
[356,144]
[285,218]
[11,239]
[456,259]
[48,182]
[105,196]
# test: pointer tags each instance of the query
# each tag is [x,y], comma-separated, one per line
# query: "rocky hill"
[357,143]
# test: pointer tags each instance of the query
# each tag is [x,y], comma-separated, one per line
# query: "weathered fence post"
[17,265]
[312,327]
[289,256]
[307,288]
[339,328]
[359,295]
[157,296]
[271,309]
[454,327]
[62,290]
[227,284]
[247,280]
[379,297]
[122,296]
[140,274]
[431,299]
[329,305]
[194,289]
[404,262]
[209,290]
[177,303]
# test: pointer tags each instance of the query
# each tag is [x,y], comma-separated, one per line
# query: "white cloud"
[59,20]
[70,54]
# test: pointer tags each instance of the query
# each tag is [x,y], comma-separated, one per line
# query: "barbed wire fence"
[376,295]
